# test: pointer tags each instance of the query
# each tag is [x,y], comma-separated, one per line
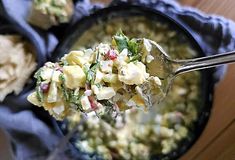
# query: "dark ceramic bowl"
[7,27]
[207,80]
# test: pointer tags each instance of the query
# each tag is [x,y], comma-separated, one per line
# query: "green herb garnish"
[39,91]
[75,99]
[133,47]
[121,41]
[91,73]
[63,88]
[110,112]
[71,98]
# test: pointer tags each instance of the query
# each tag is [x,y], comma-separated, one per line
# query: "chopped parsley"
[132,45]
[90,76]
[63,88]
[39,91]
[121,41]
[70,96]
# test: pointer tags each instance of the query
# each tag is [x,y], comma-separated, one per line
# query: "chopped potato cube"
[79,57]
[74,77]
[74,57]
[32,98]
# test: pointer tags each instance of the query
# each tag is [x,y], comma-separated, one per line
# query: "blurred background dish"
[23,66]
[45,14]
[170,128]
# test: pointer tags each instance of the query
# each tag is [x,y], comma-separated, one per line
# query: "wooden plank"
[222,148]
[219,7]
[223,113]
[228,154]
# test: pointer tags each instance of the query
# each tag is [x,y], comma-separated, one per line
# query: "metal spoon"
[167,68]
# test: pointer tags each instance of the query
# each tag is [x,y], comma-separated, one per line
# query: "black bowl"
[125,10]
[8,27]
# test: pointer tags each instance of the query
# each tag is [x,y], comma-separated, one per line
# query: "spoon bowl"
[167,69]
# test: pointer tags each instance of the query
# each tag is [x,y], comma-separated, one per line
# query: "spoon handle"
[204,62]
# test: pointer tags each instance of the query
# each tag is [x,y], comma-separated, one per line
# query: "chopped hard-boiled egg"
[122,58]
[133,74]
[106,66]
[105,93]
[46,74]
[99,76]
[103,48]
[56,76]
[52,93]
[85,102]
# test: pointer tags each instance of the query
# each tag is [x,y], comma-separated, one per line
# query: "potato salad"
[108,79]
[167,128]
